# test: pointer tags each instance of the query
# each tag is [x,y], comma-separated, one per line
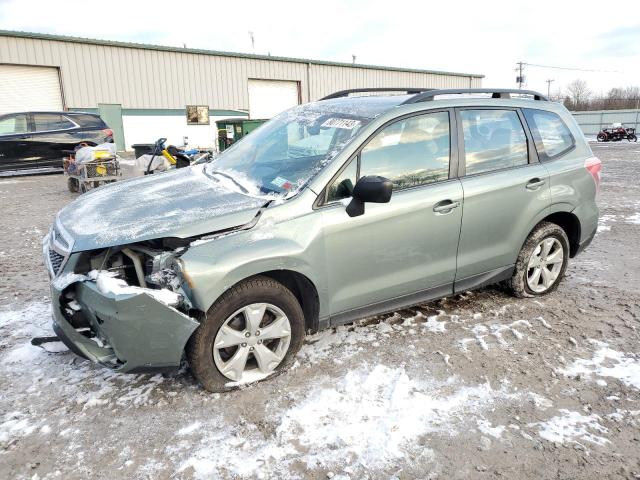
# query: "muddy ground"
[477,386]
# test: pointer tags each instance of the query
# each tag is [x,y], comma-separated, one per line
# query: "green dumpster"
[231,130]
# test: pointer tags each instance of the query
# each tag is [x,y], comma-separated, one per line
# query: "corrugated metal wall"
[592,122]
[153,78]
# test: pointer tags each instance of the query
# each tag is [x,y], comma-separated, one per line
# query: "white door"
[267,98]
[27,88]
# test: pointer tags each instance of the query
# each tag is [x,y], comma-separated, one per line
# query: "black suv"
[40,139]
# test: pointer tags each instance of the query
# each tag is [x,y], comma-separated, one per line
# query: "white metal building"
[147,91]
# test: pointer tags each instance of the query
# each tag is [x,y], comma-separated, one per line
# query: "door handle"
[445,206]
[535,184]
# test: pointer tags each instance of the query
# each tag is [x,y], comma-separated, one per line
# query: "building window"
[197,115]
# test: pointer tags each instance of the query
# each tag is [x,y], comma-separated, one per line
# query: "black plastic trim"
[495,93]
[388,306]
[483,279]
[345,93]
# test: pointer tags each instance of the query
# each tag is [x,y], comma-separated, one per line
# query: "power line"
[571,68]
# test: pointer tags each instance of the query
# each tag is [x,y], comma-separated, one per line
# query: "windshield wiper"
[244,190]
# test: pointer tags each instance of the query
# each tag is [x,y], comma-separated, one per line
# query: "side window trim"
[532,156]
[454,159]
[537,139]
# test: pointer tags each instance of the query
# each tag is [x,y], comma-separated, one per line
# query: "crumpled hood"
[180,203]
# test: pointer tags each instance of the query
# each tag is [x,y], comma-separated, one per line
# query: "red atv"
[617,133]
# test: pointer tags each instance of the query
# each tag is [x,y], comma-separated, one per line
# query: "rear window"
[88,121]
[551,134]
[45,122]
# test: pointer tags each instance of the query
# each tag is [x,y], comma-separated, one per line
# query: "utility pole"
[253,42]
[520,77]
[549,87]
[354,59]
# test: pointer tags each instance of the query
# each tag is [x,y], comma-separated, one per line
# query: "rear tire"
[204,352]
[602,137]
[536,272]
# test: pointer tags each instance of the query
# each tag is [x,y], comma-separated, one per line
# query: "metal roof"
[144,46]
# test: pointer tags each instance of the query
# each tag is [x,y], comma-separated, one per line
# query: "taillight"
[107,132]
[594,167]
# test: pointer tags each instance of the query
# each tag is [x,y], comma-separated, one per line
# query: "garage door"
[267,98]
[29,88]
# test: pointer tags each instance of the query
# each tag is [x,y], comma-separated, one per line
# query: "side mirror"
[371,188]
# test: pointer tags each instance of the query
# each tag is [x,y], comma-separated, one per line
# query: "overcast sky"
[486,37]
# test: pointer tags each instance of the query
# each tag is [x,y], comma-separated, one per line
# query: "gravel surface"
[480,385]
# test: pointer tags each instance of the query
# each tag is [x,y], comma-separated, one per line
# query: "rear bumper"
[133,332]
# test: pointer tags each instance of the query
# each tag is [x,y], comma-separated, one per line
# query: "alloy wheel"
[252,342]
[545,265]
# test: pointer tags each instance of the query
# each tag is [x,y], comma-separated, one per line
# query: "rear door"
[505,188]
[15,144]
[53,136]
[404,251]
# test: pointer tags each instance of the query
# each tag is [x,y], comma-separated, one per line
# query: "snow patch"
[607,362]
[433,325]
[571,427]
[108,283]
[635,218]
[373,415]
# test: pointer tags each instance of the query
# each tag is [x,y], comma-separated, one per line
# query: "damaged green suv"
[333,211]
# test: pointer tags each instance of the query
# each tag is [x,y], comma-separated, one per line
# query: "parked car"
[232,262]
[41,139]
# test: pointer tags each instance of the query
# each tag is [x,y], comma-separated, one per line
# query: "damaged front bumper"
[128,332]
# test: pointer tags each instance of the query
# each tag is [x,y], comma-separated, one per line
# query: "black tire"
[73,185]
[632,138]
[83,187]
[602,137]
[517,285]
[254,290]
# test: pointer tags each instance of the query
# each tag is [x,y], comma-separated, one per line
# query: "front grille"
[56,260]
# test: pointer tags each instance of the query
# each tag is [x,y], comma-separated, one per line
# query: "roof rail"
[345,93]
[426,96]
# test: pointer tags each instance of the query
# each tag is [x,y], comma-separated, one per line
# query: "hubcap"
[252,342]
[545,265]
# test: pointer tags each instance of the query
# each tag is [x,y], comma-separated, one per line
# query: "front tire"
[73,185]
[252,332]
[632,138]
[602,137]
[541,263]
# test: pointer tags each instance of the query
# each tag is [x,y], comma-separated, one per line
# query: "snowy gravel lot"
[480,385]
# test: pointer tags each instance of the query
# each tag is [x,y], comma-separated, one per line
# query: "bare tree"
[577,95]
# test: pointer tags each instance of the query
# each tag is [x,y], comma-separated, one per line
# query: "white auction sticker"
[346,123]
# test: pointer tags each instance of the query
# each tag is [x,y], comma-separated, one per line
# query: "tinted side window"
[51,121]
[410,152]
[14,124]
[493,140]
[551,134]
[342,187]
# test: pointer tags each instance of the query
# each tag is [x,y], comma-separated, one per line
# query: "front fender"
[210,268]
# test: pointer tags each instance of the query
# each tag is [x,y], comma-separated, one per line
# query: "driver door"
[404,251]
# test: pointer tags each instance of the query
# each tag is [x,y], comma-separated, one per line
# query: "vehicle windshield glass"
[284,153]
